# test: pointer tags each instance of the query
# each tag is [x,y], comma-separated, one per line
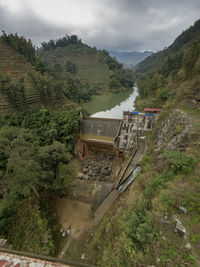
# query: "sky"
[122,25]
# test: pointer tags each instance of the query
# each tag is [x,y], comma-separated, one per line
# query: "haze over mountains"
[130,58]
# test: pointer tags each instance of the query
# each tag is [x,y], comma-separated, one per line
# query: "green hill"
[17,88]
[84,70]
[173,72]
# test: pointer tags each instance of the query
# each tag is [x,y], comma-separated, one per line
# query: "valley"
[99,165]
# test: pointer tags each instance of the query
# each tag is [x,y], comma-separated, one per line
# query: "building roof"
[153,109]
[12,260]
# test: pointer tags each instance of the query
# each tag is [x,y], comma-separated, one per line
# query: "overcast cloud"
[111,24]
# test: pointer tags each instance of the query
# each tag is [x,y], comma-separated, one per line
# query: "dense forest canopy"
[35,163]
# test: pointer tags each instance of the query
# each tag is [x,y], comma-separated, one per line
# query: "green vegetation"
[84,70]
[140,227]
[21,87]
[172,73]
[13,92]
[36,165]
[62,42]
[105,102]
[25,48]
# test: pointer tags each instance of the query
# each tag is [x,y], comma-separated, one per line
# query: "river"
[117,111]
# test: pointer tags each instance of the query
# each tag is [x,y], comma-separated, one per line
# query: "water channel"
[117,111]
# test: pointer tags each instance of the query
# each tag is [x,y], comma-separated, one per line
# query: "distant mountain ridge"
[130,58]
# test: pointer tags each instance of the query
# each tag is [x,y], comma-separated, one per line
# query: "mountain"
[130,58]
[172,73]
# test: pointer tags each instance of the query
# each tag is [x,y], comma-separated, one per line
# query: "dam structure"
[115,135]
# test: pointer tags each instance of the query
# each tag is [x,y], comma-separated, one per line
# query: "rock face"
[174,130]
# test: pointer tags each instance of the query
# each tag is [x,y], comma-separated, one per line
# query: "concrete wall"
[100,126]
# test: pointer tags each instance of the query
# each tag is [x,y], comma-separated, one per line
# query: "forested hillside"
[23,83]
[84,70]
[173,72]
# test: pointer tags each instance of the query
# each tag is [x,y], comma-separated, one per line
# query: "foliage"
[25,48]
[46,86]
[33,163]
[62,42]
[71,67]
[140,227]
[48,126]
[176,163]
[13,92]
[32,235]
[77,91]
[175,65]
[179,162]
[158,182]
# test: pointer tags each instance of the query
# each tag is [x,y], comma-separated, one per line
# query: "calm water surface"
[117,111]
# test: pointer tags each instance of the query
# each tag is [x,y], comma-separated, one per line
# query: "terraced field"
[91,68]
[15,66]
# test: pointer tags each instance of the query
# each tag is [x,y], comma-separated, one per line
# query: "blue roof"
[134,112]
[149,115]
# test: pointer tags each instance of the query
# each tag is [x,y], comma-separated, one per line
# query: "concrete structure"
[117,135]
[99,133]
[100,127]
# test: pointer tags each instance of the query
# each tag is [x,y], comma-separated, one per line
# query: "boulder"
[179,227]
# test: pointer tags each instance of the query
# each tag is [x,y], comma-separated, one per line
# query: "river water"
[117,111]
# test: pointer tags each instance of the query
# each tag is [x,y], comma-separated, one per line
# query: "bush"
[140,227]
[179,162]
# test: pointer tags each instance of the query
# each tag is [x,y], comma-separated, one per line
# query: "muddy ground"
[85,195]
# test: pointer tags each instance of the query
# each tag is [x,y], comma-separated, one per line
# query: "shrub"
[140,227]
[179,162]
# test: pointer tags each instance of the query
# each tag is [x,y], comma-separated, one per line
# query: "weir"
[114,135]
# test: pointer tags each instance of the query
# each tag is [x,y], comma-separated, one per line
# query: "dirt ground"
[77,214]
[84,196]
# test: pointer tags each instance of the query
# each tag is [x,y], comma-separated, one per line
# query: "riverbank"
[106,102]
